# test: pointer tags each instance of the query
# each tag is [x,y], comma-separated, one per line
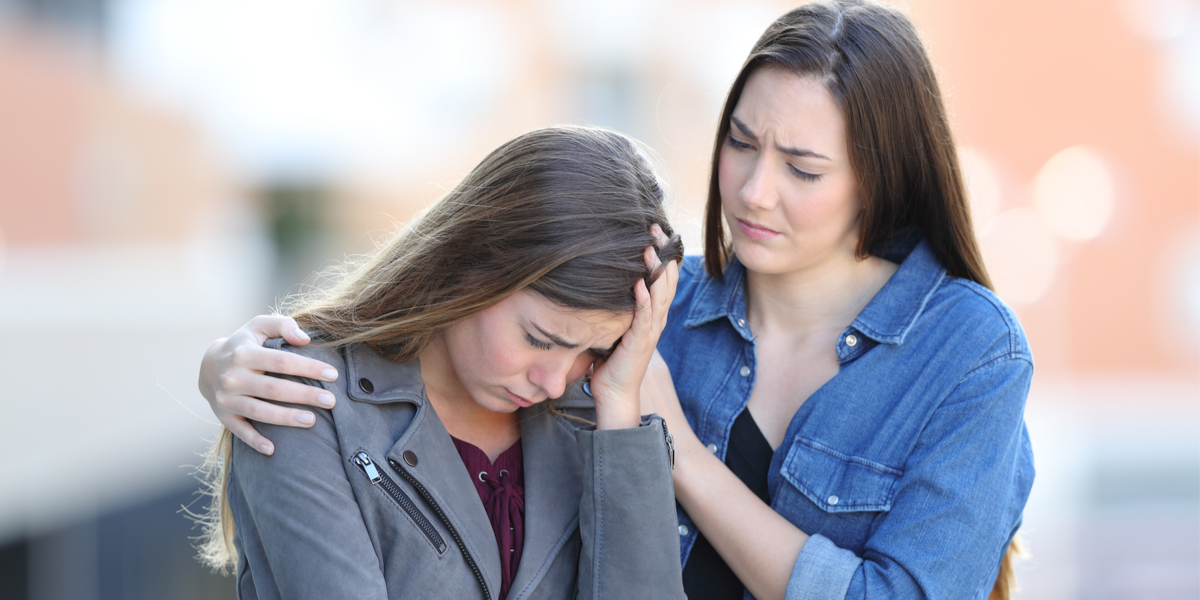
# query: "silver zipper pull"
[363,460]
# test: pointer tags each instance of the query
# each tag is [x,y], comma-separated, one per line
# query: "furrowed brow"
[797,152]
[743,128]
[555,339]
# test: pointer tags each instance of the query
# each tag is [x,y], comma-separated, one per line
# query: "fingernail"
[306,418]
[266,449]
[300,334]
[326,400]
[329,374]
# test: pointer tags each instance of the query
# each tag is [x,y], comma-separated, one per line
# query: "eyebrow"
[800,152]
[554,338]
[565,344]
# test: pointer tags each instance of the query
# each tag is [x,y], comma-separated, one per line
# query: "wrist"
[618,417]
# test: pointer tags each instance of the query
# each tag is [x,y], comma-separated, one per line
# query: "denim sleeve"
[300,532]
[956,507]
[627,515]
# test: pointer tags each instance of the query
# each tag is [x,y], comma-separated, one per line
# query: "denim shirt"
[910,468]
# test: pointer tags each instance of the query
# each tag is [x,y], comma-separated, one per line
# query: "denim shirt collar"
[886,319]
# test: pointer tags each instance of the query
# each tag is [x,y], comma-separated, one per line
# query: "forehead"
[793,110]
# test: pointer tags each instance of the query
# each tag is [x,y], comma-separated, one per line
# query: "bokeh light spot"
[983,186]
[1021,254]
[1074,193]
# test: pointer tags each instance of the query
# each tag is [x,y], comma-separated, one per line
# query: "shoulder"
[967,312]
[313,350]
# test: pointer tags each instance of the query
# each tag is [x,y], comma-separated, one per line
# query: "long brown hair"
[563,211]
[871,59]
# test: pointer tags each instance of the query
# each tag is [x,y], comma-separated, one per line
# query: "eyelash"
[803,175]
[536,343]
[540,345]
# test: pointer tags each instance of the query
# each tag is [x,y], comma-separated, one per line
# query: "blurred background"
[169,168]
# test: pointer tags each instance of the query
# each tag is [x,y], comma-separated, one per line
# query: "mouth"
[519,400]
[755,232]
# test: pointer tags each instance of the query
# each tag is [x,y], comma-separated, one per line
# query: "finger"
[651,258]
[261,411]
[663,290]
[243,430]
[257,358]
[250,383]
[660,238]
[266,327]
[643,316]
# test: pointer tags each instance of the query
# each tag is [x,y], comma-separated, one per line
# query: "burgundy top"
[501,487]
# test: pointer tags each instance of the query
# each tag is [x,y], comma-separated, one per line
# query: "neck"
[822,297]
[463,417]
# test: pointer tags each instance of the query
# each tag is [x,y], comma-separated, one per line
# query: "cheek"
[582,363]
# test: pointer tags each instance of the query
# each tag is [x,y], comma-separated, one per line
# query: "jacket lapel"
[438,468]
[552,492]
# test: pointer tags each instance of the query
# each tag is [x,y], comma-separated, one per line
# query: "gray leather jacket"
[374,502]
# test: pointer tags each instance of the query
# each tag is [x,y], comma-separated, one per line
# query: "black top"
[706,576]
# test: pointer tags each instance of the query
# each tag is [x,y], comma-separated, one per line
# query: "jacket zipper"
[363,460]
[446,522]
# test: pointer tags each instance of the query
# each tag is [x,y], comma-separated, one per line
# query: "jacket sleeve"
[627,517]
[300,533]
[957,505]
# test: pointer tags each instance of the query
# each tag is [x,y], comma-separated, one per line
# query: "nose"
[759,191]
[552,376]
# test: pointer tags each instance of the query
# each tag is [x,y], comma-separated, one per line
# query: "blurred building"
[169,168]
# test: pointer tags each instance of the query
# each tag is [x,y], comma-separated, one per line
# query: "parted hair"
[563,211]
[871,60]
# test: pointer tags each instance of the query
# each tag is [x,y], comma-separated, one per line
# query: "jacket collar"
[887,318]
[890,315]
[552,484]
[721,297]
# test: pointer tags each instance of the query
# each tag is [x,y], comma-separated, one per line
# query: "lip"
[519,400]
[755,232]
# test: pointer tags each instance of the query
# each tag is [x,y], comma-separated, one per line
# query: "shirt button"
[741,322]
[712,448]
[587,388]
[745,371]
[683,530]
[365,385]
[851,340]
[832,500]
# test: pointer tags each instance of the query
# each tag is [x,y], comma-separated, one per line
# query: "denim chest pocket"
[834,494]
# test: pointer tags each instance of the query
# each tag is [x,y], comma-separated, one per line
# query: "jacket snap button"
[410,457]
[712,448]
[683,530]
[365,385]
[851,340]
[745,372]
[832,500]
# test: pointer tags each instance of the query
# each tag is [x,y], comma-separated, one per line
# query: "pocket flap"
[837,482]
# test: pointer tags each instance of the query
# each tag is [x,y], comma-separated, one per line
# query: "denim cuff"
[822,571]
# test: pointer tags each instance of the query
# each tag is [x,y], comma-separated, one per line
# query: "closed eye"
[737,144]
[804,175]
[536,343]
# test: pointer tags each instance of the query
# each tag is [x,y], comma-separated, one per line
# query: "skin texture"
[232,373]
